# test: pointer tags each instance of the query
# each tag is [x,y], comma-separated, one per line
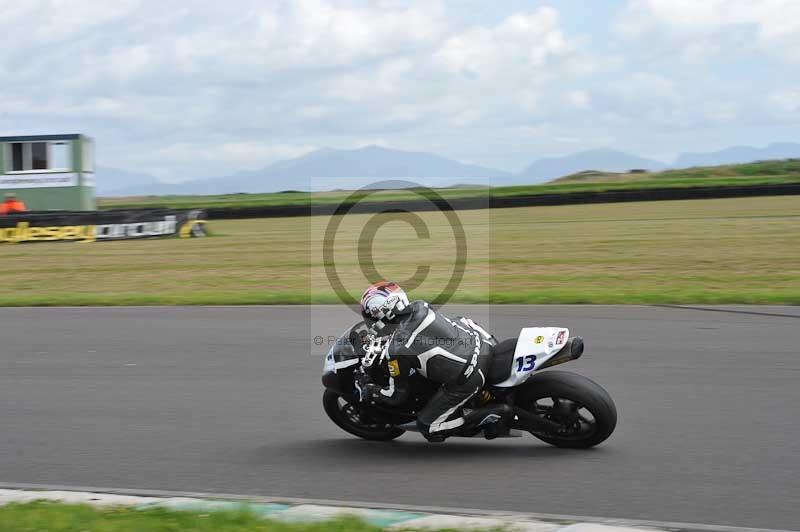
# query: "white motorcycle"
[559,407]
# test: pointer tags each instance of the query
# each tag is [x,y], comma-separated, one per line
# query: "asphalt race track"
[228,400]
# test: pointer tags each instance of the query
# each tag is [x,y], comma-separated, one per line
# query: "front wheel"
[584,410]
[347,416]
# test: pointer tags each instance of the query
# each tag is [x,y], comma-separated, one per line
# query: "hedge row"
[567,198]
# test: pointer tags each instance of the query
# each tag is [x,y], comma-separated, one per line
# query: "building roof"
[35,138]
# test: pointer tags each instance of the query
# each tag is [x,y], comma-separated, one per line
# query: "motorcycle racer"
[452,352]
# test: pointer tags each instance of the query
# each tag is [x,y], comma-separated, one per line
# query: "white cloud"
[579,99]
[717,27]
[786,100]
[692,66]
[193,90]
[305,34]
[157,81]
[721,111]
[525,40]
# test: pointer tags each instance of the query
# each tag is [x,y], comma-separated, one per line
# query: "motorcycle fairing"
[343,353]
[331,365]
[342,358]
[535,346]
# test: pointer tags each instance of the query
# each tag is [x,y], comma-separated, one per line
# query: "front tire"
[566,398]
[346,416]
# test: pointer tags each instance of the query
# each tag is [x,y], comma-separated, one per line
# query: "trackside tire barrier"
[567,198]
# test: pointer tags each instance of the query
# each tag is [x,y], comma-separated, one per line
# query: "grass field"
[744,250]
[759,173]
[55,517]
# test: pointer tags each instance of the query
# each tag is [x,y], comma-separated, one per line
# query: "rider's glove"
[371,393]
[363,387]
[367,391]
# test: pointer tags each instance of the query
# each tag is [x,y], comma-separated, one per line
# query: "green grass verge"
[759,173]
[739,250]
[56,517]
[541,297]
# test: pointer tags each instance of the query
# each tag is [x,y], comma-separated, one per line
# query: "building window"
[47,156]
[38,155]
[16,157]
[60,156]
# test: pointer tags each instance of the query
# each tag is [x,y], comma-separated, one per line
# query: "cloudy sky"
[184,90]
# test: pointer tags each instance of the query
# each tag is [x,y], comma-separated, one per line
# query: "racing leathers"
[453,352]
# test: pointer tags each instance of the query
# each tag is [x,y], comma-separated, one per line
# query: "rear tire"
[569,394]
[342,412]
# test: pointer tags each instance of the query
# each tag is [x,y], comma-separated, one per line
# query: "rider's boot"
[490,419]
[493,419]
[437,437]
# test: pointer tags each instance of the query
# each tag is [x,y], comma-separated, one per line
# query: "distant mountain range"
[329,169]
[604,159]
[739,154]
[110,181]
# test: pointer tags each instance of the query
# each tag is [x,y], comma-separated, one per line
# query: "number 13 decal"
[526,363]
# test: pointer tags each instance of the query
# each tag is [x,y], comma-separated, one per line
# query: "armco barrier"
[96,226]
[567,198]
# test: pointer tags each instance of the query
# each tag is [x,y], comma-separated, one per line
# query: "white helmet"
[380,305]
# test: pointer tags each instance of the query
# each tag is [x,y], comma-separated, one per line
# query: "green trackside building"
[49,172]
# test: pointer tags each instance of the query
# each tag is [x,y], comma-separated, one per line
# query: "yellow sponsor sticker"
[394,368]
[539,339]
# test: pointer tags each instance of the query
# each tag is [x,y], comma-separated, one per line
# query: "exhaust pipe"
[532,423]
[572,350]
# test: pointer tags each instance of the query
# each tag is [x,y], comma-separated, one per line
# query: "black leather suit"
[453,352]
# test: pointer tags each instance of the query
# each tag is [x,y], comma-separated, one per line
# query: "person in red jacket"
[12,205]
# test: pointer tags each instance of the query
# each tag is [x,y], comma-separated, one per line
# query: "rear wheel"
[348,417]
[583,409]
